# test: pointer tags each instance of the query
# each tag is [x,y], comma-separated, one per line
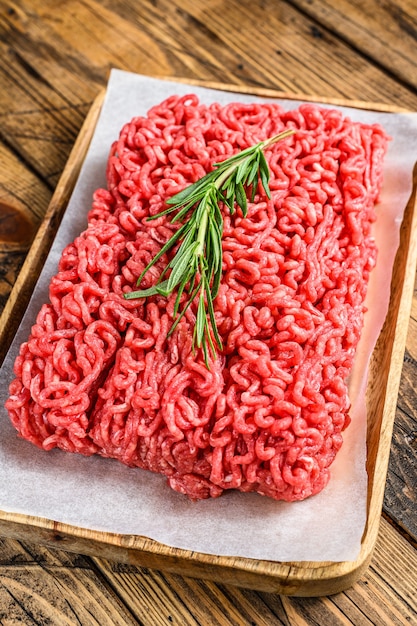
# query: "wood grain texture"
[401,488]
[23,286]
[190,600]
[38,586]
[23,200]
[153,598]
[385,31]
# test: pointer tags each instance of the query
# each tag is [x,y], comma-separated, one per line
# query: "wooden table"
[54,59]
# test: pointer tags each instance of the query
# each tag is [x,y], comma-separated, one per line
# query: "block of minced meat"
[102,374]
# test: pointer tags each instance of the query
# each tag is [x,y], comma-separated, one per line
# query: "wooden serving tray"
[288,578]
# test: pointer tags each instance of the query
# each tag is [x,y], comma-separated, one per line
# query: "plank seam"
[342,37]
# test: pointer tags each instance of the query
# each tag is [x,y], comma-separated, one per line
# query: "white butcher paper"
[103,494]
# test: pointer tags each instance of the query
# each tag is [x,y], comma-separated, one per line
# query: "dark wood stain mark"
[15,227]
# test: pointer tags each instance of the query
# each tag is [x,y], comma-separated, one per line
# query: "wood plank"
[90,37]
[11,263]
[157,598]
[23,202]
[23,286]
[42,65]
[40,586]
[36,121]
[402,561]
[385,32]
[379,597]
[400,500]
[21,189]
[274,52]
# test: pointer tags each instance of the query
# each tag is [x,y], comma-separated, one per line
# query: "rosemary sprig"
[196,267]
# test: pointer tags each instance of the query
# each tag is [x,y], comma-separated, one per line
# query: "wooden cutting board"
[290,578]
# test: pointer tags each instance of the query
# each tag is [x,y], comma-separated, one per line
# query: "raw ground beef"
[99,375]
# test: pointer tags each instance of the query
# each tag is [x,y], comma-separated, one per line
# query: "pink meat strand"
[99,373]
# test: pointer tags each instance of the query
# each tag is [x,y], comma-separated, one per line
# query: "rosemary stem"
[275,138]
[227,172]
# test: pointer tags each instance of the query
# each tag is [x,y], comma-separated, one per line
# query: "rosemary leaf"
[241,199]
